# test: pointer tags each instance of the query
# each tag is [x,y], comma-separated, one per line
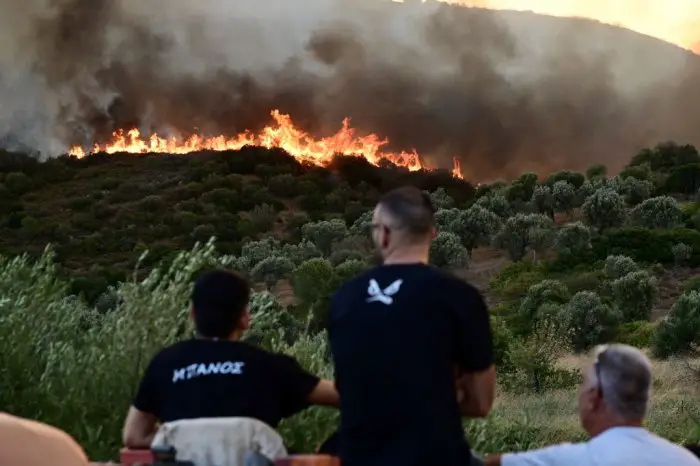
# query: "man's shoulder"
[430,278]
[572,454]
[662,447]
[193,347]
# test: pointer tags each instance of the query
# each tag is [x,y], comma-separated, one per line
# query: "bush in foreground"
[76,368]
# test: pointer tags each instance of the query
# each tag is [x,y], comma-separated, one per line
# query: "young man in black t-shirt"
[412,349]
[216,375]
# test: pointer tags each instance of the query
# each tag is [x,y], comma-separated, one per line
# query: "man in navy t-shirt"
[412,349]
[217,375]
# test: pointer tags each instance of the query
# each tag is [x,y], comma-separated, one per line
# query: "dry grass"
[553,417]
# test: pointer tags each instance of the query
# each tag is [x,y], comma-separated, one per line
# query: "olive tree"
[596,171]
[300,252]
[324,233]
[618,266]
[542,300]
[447,251]
[540,238]
[680,330]
[440,199]
[253,252]
[657,213]
[446,217]
[313,282]
[636,191]
[475,226]
[518,233]
[573,238]
[589,320]
[350,268]
[542,200]
[583,192]
[681,254]
[564,196]
[634,295]
[272,269]
[363,224]
[343,255]
[604,209]
[497,204]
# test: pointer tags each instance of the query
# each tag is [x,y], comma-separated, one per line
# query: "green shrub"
[313,282]
[639,334]
[532,361]
[589,320]
[692,284]
[271,270]
[604,209]
[17,183]
[648,246]
[543,301]
[681,254]
[680,330]
[324,233]
[263,217]
[521,231]
[447,251]
[350,269]
[618,266]
[343,255]
[285,185]
[634,295]
[584,281]
[516,279]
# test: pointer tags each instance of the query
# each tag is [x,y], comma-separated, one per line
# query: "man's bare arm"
[476,392]
[492,460]
[325,394]
[139,429]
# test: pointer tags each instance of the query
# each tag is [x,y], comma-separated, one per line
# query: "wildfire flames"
[282,134]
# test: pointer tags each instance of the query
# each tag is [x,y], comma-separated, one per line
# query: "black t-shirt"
[397,332]
[206,378]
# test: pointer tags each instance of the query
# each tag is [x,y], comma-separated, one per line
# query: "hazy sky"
[676,21]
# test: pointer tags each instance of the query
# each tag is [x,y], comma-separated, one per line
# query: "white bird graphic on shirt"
[383,296]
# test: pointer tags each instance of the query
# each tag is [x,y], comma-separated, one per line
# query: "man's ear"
[245,319]
[434,233]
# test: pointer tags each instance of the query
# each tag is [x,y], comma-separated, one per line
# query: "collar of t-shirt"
[617,446]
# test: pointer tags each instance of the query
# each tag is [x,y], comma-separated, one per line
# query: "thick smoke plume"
[506,92]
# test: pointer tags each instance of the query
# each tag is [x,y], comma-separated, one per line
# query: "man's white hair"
[625,380]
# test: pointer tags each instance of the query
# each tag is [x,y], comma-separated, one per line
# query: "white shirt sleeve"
[558,455]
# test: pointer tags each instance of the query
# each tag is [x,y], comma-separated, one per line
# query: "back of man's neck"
[614,425]
[406,258]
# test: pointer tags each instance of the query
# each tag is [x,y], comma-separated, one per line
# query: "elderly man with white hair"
[613,402]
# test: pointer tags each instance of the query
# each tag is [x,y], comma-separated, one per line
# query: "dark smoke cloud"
[506,92]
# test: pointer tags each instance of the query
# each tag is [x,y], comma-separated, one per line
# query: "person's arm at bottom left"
[302,389]
[141,421]
[325,394]
[139,429]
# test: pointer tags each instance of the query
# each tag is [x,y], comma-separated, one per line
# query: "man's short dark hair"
[219,298]
[412,209]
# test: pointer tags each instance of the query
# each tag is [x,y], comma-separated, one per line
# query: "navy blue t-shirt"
[396,333]
[206,378]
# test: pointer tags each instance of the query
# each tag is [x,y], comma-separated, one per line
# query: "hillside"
[101,211]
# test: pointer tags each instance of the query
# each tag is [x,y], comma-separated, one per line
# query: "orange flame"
[283,134]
